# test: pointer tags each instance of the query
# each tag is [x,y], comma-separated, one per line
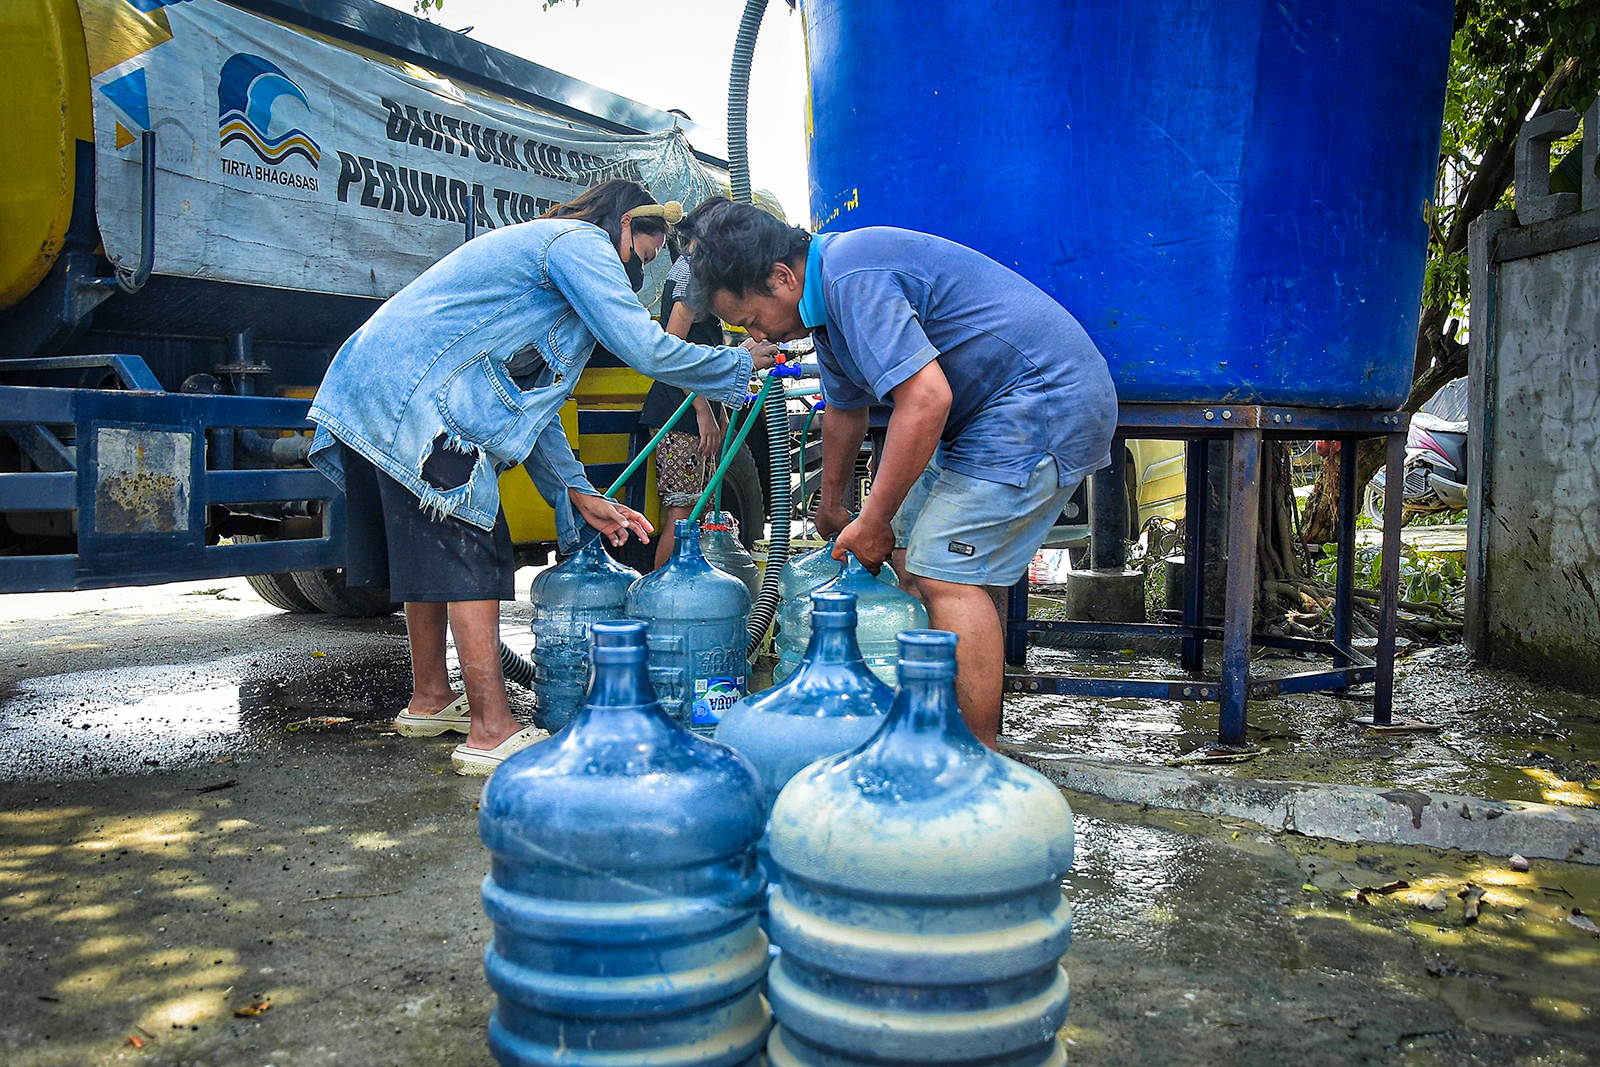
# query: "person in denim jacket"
[459,377]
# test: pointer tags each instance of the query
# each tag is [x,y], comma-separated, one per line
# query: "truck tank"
[208,198]
[1231,196]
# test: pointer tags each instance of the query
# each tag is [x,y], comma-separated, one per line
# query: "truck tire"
[326,589]
[280,589]
[742,495]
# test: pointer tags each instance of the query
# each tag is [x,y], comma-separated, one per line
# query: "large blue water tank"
[1228,194]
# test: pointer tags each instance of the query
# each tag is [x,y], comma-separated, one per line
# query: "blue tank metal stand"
[1246,427]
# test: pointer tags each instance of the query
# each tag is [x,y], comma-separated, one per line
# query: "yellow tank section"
[599,389]
[44,76]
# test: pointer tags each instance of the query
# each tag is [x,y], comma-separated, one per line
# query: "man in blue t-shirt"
[1002,405]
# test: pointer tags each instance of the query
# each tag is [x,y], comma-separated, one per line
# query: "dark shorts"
[436,559]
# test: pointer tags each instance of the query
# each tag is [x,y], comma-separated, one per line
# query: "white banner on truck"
[290,160]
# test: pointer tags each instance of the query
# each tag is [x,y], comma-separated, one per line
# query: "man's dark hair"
[737,245]
[605,204]
[678,240]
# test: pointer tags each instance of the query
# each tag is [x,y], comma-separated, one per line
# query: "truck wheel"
[279,590]
[631,553]
[741,495]
[326,589]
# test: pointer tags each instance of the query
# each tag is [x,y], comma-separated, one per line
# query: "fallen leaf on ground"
[1309,888]
[1437,902]
[319,655]
[1471,895]
[317,720]
[136,1041]
[250,1010]
[1583,922]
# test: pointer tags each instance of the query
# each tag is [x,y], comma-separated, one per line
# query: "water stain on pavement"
[1495,735]
[118,721]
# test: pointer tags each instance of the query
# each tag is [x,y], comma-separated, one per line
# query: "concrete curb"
[1340,812]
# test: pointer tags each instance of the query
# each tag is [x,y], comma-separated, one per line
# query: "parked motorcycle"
[1435,477]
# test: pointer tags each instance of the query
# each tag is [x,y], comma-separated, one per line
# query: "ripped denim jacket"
[432,364]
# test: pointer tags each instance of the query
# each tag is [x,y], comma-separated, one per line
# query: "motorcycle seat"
[1434,424]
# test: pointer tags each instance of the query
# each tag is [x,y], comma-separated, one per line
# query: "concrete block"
[1216,591]
[1104,596]
[1339,812]
[1535,201]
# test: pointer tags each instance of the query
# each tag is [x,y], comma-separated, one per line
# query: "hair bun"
[671,211]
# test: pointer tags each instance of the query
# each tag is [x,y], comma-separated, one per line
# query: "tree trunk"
[1278,547]
[1440,359]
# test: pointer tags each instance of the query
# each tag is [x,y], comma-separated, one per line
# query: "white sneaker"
[485,760]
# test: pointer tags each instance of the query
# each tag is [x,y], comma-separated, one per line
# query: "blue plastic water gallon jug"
[719,540]
[624,889]
[919,908]
[800,577]
[699,632]
[807,571]
[585,588]
[882,611]
[831,704]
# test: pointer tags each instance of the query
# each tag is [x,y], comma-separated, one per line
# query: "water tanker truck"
[202,201]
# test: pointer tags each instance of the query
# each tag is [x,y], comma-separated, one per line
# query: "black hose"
[766,605]
[744,50]
[515,668]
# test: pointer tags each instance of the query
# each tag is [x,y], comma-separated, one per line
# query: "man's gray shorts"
[956,528]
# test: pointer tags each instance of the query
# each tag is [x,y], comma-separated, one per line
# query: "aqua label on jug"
[713,697]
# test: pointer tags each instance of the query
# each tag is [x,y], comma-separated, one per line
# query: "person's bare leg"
[475,625]
[968,612]
[430,676]
[669,533]
[908,581]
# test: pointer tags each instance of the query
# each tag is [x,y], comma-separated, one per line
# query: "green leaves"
[1509,59]
[1424,578]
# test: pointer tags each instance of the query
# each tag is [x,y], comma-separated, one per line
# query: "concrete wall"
[1534,561]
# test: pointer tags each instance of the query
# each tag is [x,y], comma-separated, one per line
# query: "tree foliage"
[1510,61]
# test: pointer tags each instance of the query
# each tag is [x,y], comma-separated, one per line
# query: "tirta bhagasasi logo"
[258,104]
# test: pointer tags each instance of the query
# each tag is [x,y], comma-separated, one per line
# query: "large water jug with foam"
[585,588]
[624,888]
[830,704]
[699,632]
[719,540]
[919,908]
